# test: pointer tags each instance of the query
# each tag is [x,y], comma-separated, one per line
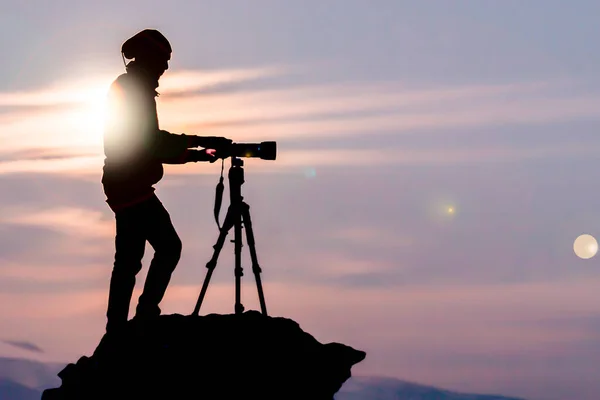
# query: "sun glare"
[87,120]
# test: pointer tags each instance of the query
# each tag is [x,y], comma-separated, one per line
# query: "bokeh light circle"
[585,246]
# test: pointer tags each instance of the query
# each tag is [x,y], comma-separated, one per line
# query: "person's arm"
[200,156]
[172,148]
[132,130]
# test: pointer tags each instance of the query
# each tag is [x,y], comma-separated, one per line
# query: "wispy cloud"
[73,134]
[93,89]
[24,345]
[360,235]
[190,81]
[47,273]
[84,167]
[77,222]
[77,125]
[401,318]
[297,161]
[72,246]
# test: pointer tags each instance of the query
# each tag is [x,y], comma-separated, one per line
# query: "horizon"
[435,167]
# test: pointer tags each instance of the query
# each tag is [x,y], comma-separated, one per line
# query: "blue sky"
[435,165]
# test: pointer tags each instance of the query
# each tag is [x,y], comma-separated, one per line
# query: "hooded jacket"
[134,146]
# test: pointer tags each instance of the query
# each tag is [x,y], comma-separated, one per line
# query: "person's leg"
[130,242]
[167,250]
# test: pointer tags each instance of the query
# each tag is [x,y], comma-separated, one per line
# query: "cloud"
[52,305]
[86,168]
[24,345]
[415,332]
[336,110]
[45,153]
[75,222]
[93,89]
[183,83]
[61,246]
[60,93]
[297,161]
[482,303]
[312,102]
[398,317]
[50,274]
[69,140]
[333,265]
[77,125]
[361,235]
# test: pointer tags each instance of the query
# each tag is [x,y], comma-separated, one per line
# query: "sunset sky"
[435,165]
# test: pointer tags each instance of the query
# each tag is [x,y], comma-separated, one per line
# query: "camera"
[262,150]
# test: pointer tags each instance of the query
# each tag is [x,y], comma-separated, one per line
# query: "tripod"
[238,213]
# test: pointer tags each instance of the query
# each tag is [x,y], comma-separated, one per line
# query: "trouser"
[145,221]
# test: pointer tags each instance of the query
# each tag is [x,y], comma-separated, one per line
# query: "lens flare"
[310,172]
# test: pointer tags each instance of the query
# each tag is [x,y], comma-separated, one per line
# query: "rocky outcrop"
[233,356]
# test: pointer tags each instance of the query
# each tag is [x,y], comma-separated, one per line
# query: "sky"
[435,166]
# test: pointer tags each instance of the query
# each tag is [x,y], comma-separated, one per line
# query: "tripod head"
[236,180]
[236,162]
[235,151]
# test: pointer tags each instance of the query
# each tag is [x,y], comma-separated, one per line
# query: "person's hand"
[216,154]
[212,155]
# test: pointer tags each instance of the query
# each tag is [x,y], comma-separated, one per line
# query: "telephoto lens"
[262,150]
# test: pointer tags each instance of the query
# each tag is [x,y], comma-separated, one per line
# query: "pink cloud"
[94,88]
[76,131]
[420,324]
[186,81]
[53,274]
[293,161]
[77,222]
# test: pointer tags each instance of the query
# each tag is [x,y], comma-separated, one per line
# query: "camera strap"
[219,195]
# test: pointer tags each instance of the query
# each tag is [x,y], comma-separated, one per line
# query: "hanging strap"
[219,195]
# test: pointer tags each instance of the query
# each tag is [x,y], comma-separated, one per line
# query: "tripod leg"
[245,209]
[237,227]
[227,224]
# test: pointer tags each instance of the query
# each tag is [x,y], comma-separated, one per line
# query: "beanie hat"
[146,41]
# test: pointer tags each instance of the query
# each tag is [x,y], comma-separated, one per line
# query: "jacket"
[135,148]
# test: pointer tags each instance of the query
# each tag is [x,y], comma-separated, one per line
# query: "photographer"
[135,149]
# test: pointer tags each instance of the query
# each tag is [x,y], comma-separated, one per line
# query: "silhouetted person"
[135,149]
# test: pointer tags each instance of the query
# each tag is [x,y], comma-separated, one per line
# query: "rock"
[233,356]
